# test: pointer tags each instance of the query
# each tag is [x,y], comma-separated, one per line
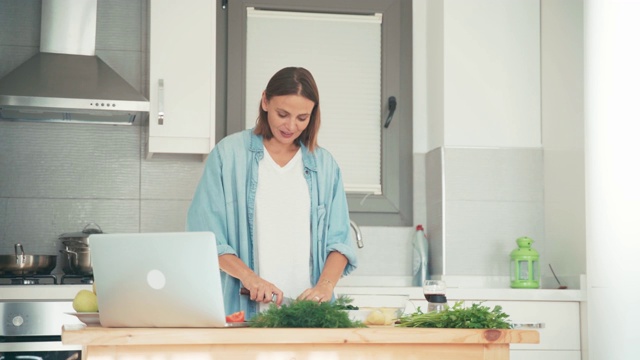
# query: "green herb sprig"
[304,314]
[459,317]
[344,302]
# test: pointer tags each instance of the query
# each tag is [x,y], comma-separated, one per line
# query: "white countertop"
[41,292]
[478,294]
[457,289]
[478,288]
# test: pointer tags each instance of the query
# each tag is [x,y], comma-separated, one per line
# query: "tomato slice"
[236,317]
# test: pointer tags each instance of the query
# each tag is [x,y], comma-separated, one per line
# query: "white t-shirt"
[282,225]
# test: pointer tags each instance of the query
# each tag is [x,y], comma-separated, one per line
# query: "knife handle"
[285,301]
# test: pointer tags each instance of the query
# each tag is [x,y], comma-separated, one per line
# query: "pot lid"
[91,228]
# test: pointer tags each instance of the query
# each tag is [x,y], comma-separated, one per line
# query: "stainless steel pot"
[81,238]
[78,261]
[76,252]
[21,264]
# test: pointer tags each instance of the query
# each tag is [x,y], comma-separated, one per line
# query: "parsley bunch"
[459,317]
[304,314]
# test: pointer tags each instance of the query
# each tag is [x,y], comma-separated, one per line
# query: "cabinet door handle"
[392,108]
[161,102]
[529,326]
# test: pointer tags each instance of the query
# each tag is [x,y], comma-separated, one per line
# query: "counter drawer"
[544,354]
[561,321]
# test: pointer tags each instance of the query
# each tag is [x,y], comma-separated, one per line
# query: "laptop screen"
[157,279]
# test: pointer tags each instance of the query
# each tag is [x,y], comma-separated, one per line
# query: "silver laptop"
[158,280]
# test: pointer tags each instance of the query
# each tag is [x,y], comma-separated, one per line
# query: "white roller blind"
[343,52]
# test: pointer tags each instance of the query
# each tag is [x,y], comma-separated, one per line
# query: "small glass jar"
[437,303]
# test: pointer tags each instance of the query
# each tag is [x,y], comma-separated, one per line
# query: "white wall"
[483,73]
[612,75]
[563,134]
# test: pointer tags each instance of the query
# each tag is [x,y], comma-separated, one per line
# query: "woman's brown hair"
[292,81]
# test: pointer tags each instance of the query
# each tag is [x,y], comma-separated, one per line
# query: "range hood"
[66,81]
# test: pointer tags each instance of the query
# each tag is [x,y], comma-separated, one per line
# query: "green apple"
[85,301]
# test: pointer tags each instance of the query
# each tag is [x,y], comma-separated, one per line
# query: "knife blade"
[286,301]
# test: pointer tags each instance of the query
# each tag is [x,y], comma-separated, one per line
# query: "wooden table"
[384,342]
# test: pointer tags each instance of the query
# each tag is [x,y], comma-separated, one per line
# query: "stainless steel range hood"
[66,82]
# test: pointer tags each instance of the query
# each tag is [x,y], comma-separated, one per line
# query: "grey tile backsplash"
[508,174]
[69,161]
[119,25]
[56,178]
[23,18]
[479,201]
[179,173]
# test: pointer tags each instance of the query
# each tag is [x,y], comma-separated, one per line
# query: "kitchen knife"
[286,301]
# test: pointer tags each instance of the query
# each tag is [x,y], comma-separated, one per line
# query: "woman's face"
[288,116]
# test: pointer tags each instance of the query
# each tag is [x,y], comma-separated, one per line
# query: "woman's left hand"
[322,292]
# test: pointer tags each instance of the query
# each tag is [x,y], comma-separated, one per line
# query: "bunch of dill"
[304,314]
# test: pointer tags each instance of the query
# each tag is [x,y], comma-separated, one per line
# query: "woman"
[276,203]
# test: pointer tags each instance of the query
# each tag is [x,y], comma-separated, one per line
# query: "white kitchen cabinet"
[182,77]
[544,354]
[561,321]
[559,336]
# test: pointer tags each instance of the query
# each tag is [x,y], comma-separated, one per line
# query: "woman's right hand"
[262,291]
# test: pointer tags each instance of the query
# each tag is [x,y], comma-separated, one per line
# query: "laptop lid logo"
[156,279]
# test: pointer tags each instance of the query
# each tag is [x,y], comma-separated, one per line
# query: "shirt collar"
[308,158]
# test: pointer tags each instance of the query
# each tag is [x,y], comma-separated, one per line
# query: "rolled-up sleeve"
[339,230]
[207,211]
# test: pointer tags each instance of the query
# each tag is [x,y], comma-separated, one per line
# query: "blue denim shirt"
[224,203]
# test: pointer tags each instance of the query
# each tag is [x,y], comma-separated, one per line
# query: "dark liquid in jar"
[428,296]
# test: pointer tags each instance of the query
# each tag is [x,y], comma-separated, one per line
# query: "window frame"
[394,207]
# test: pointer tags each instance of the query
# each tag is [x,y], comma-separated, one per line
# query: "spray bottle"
[420,257]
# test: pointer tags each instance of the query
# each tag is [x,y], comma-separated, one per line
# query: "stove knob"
[18,320]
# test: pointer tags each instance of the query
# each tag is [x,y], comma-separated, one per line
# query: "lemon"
[389,315]
[376,317]
[85,301]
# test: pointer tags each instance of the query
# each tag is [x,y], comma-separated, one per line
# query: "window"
[376,161]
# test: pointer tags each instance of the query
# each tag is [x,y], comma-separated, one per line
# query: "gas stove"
[28,279]
[42,288]
[45,279]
